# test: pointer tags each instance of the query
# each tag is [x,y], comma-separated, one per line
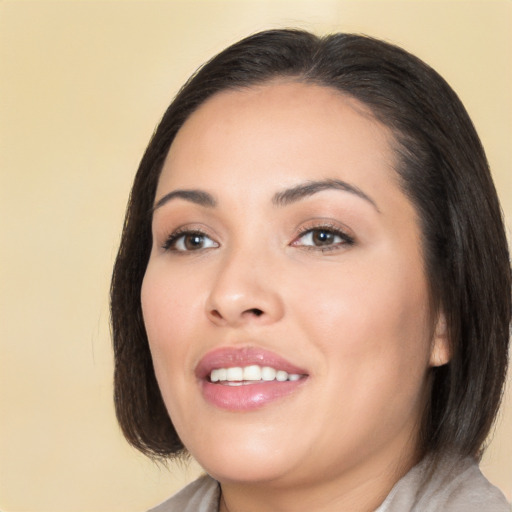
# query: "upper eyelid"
[326,227]
[327,224]
[184,228]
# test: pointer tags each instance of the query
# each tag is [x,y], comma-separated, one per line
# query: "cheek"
[369,326]
[169,303]
[373,314]
[169,309]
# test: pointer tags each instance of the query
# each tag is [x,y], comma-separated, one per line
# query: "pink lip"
[249,396]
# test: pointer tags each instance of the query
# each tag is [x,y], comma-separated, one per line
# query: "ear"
[440,353]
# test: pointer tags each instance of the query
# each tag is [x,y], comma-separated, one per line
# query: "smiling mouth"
[253,374]
[239,379]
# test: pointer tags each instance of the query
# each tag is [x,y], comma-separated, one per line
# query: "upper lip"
[227,357]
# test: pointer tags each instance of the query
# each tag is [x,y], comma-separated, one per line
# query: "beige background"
[82,85]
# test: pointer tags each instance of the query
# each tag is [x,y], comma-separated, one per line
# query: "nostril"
[255,311]
[216,314]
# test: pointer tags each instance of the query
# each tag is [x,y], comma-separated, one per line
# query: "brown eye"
[188,242]
[323,239]
[193,241]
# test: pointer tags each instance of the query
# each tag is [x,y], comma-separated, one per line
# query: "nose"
[245,291]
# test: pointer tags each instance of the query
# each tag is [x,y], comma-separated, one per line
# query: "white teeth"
[236,376]
[268,373]
[281,376]
[252,372]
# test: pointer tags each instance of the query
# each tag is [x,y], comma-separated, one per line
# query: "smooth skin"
[331,279]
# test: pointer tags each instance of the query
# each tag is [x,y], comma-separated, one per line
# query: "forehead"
[281,125]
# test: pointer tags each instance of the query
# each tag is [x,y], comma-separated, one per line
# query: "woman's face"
[285,298]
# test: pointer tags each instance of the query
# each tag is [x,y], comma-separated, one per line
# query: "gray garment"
[454,486]
[202,495]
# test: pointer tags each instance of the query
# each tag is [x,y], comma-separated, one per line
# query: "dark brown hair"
[443,170]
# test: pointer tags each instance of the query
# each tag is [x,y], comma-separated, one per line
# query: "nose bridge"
[245,288]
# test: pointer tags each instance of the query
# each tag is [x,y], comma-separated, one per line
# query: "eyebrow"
[194,196]
[294,194]
[282,198]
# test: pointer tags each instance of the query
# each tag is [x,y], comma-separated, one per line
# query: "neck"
[362,489]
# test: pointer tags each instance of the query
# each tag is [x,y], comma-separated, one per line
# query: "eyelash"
[346,240]
[172,240]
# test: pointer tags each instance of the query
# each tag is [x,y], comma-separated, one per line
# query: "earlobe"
[441,350]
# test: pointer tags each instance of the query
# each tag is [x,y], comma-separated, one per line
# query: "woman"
[312,293]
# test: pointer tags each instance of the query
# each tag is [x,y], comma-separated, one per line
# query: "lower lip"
[248,396]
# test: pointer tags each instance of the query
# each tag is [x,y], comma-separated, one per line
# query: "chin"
[261,460]
[249,472]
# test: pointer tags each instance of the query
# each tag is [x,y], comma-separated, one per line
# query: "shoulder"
[202,495]
[458,485]
[451,485]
